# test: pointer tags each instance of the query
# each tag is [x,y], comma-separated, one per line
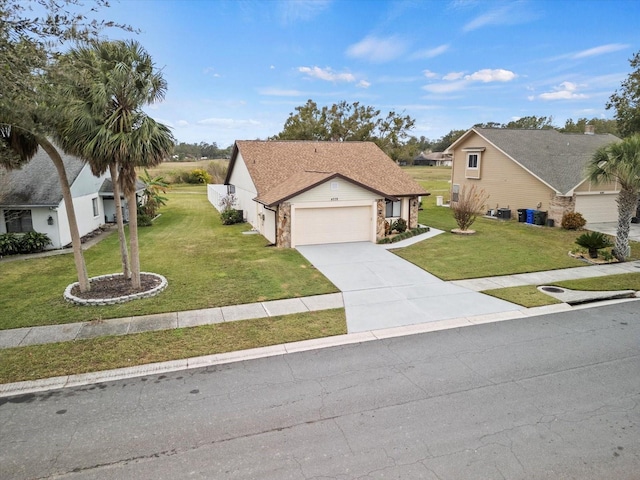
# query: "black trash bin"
[550,222]
[539,217]
[504,213]
[522,215]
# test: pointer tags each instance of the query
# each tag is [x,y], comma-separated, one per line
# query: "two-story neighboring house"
[534,169]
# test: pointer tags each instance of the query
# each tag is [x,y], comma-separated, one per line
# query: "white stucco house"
[31,199]
[309,192]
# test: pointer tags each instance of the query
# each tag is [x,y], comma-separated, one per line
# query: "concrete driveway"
[610,228]
[382,290]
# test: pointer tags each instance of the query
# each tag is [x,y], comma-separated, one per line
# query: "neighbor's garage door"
[332,225]
[598,208]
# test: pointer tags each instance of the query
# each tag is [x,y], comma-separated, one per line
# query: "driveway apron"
[382,290]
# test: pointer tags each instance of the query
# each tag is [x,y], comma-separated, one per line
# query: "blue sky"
[236,69]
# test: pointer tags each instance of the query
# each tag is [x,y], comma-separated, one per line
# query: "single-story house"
[433,159]
[31,199]
[309,192]
[534,169]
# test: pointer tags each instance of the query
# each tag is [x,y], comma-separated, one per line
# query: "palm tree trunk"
[627,204]
[78,257]
[124,253]
[133,239]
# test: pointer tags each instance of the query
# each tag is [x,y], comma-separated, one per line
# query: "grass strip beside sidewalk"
[106,353]
[529,296]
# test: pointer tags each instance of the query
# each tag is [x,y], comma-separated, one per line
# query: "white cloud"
[327,74]
[228,123]
[363,84]
[376,49]
[272,67]
[513,13]
[445,87]
[488,75]
[301,10]
[453,76]
[430,74]
[211,70]
[431,52]
[182,123]
[601,50]
[564,91]
[455,81]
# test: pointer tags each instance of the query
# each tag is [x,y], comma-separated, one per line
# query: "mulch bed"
[114,287]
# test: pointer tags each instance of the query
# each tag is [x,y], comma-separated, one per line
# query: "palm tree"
[620,162]
[23,145]
[154,188]
[109,128]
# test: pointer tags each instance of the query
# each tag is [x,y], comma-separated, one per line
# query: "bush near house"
[231,216]
[399,225]
[573,221]
[30,242]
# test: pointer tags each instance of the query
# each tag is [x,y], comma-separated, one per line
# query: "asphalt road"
[552,397]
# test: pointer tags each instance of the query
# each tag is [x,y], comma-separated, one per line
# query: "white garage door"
[598,208]
[332,225]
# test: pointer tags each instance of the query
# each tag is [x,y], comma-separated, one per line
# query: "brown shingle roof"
[558,159]
[283,169]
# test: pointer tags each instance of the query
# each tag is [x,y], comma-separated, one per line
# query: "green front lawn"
[497,247]
[206,264]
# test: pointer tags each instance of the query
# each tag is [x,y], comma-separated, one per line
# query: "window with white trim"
[473,160]
[392,209]
[94,202]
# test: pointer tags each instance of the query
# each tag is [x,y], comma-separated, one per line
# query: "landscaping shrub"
[399,225]
[594,241]
[401,236]
[470,204]
[30,242]
[231,216]
[198,176]
[144,220]
[33,242]
[573,221]
[9,244]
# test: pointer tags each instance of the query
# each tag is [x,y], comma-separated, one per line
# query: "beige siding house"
[533,169]
[304,192]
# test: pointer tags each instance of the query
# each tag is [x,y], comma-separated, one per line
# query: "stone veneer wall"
[380,219]
[413,212]
[283,226]
[558,206]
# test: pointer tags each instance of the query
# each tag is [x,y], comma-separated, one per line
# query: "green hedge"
[30,242]
[404,235]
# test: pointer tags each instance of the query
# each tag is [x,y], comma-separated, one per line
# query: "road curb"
[68,381]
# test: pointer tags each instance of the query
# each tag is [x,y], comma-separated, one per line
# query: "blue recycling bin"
[530,215]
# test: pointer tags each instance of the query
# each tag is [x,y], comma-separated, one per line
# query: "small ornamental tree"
[229,215]
[470,204]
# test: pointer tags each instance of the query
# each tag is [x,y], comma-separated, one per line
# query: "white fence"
[215,193]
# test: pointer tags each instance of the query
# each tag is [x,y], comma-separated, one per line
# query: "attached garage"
[597,208]
[334,224]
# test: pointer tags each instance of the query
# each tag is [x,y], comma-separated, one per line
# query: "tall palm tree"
[22,145]
[620,162]
[110,130]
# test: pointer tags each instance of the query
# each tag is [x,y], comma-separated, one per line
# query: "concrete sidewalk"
[20,337]
[543,278]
